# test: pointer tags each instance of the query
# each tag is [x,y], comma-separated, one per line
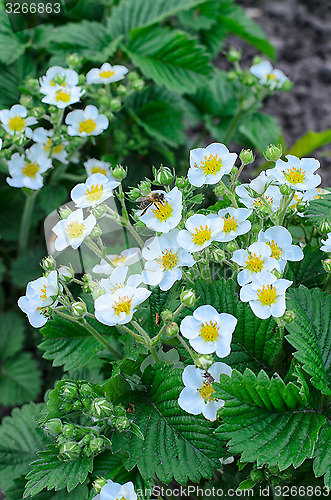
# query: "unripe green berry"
[234,55]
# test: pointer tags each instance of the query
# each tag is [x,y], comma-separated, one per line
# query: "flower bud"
[37,112]
[167,316]
[79,308]
[138,85]
[66,274]
[115,104]
[99,211]
[231,246]
[163,176]
[96,232]
[287,85]
[53,426]
[234,55]
[256,228]
[64,212]
[188,298]
[172,329]
[122,423]
[204,361]
[301,206]
[231,75]
[256,475]
[18,139]
[246,156]
[70,450]
[122,90]
[234,170]
[86,389]
[69,430]
[96,444]
[327,265]
[25,100]
[273,152]
[134,194]
[98,484]
[68,391]
[101,408]
[74,60]
[288,316]
[52,110]
[325,227]
[182,183]
[277,273]
[119,172]
[77,406]
[217,255]
[285,189]
[219,190]
[48,263]
[87,278]
[145,187]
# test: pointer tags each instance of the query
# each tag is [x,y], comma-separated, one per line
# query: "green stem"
[286,205]
[189,350]
[133,334]
[154,353]
[26,220]
[232,126]
[230,194]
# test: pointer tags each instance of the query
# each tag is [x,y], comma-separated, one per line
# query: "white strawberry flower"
[16,120]
[44,137]
[314,194]
[85,122]
[125,258]
[73,230]
[326,247]
[266,296]
[255,260]
[280,241]
[106,74]
[271,194]
[296,173]
[116,491]
[40,293]
[117,308]
[235,223]
[273,78]
[208,165]
[26,171]
[164,216]
[119,279]
[61,97]
[164,257]
[93,166]
[95,190]
[196,397]
[58,76]
[209,331]
[201,231]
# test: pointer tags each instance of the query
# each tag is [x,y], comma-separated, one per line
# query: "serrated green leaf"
[20,380]
[70,344]
[170,58]
[322,454]
[20,439]
[159,113]
[260,130]
[11,334]
[259,420]
[309,142]
[319,210]
[132,14]
[255,342]
[16,492]
[176,445]
[14,48]
[12,76]
[309,271]
[51,473]
[310,334]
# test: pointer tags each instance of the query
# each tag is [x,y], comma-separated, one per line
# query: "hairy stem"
[26,220]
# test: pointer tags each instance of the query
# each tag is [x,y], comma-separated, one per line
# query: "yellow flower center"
[98,170]
[123,305]
[106,73]
[294,175]
[230,224]
[267,295]
[43,293]
[259,203]
[209,331]
[163,211]
[94,193]
[16,124]
[206,391]
[62,95]
[168,260]
[119,259]
[276,252]
[30,169]
[319,195]
[87,126]
[56,149]
[254,263]
[272,76]
[75,230]
[201,235]
[211,165]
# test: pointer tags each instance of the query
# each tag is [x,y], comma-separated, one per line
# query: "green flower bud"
[231,246]
[70,450]
[86,389]
[172,329]
[122,423]
[79,308]
[26,100]
[256,475]
[48,263]
[64,213]
[182,183]
[256,228]
[96,232]
[134,194]
[257,60]
[37,112]
[18,139]
[327,265]
[77,406]
[98,484]
[66,274]
[325,227]
[277,274]
[288,316]
[273,152]
[133,76]
[145,187]
[122,90]
[188,298]
[65,407]
[68,391]
[87,278]
[97,292]
[101,408]
[119,411]
[234,170]
[234,55]
[96,444]
[285,189]
[115,104]
[99,211]
[90,286]
[287,85]
[119,172]
[246,156]
[217,255]
[301,206]
[52,110]
[163,176]
[53,426]
[32,84]
[231,75]
[74,60]
[204,361]
[167,316]
[138,85]
[69,430]
[219,190]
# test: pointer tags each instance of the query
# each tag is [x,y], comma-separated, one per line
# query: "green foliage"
[309,142]
[259,420]
[16,492]
[26,267]
[322,454]
[176,445]
[20,378]
[255,343]
[309,271]
[310,334]
[320,209]
[260,129]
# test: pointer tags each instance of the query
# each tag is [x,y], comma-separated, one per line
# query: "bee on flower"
[196,397]
[272,78]
[95,190]
[255,260]
[235,223]
[106,74]
[201,231]
[85,122]
[93,166]
[44,138]
[26,170]
[208,165]
[162,212]
[280,241]
[295,173]
[16,120]
[73,230]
